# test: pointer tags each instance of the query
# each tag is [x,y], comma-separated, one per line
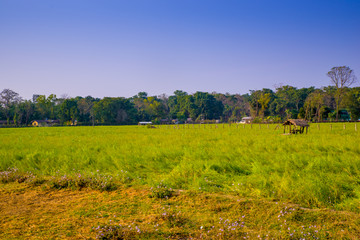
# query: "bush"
[161,191]
[13,175]
[98,182]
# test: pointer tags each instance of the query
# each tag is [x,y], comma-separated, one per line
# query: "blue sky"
[119,48]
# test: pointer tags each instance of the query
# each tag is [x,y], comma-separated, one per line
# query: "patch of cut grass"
[131,213]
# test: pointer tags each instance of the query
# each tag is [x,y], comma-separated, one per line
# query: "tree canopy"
[335,102]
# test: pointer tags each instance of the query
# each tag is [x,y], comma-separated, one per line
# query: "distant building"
[298,125]
[145,123]
[44,123]
[246,120]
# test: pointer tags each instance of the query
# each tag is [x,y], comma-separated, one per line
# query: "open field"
[180,182]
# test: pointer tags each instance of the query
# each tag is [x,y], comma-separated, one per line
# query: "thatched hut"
[299,125]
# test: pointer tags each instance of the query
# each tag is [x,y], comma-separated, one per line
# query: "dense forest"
[337,102]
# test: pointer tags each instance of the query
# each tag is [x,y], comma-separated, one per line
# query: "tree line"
[335,102]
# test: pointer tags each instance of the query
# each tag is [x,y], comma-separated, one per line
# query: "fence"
[260,126]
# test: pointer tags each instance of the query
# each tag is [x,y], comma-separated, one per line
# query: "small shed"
[246,120]
[299,125]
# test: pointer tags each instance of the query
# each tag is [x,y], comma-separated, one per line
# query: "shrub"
[161,191]
[13,175]
[98,182]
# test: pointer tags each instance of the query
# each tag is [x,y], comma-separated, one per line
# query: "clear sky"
[119,48]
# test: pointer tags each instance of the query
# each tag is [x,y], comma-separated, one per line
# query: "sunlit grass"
[180,182]
[318,169]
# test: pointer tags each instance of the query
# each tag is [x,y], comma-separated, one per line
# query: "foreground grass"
[29,212]
[88,176]
[320,169]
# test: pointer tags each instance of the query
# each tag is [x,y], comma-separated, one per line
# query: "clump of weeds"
[77,181]
[97,181]
[14,175]
[161,191]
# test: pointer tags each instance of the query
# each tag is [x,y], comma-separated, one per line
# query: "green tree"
[142,95]
[352,102]
[178,105]
[154,108]
[205,106]
[314,105]
[68,111]
[259,102]
[115,111]
[86,110]
[285,101]
[29,108]
[342,77]
[46,106]
[235,106]
[24,112]
[8,100]
[264,103]
[254,102]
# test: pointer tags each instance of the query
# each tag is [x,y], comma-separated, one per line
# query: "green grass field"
[255,166]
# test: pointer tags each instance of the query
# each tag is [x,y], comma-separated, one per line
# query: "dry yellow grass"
[38,213]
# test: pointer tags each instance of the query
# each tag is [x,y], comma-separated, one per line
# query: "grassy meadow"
[189,181]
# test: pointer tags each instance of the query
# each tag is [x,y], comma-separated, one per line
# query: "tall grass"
[318,169]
